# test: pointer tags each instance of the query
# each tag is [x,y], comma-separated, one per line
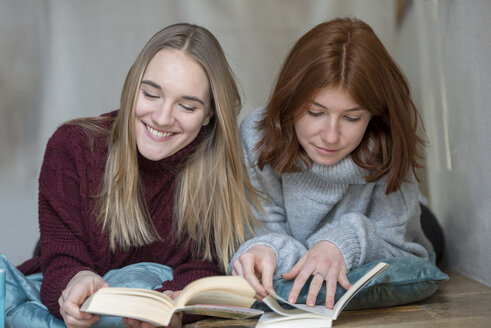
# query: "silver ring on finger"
[320,274]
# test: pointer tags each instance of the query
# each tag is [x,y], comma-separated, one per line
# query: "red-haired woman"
[335,149]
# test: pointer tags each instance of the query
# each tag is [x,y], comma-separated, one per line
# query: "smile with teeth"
[158,134]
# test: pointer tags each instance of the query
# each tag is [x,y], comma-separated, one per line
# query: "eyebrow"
[156,86]
[194,99]
[152,84]
[354,109]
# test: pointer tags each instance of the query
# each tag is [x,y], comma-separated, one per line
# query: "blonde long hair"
[213,195]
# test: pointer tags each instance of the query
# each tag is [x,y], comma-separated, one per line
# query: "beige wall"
[445,46]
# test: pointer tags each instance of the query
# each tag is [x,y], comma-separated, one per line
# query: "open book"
[303,316]
[219,296]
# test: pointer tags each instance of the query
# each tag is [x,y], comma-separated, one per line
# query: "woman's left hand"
[81,286]
[325,262]
[175,322]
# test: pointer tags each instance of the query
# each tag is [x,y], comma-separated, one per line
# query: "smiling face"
[332,127]
[173,104]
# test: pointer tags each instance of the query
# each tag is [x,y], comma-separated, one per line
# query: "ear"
[207,119]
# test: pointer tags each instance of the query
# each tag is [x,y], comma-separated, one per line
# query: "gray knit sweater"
[332,203]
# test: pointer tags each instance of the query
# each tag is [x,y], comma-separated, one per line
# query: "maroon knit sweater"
[72,241]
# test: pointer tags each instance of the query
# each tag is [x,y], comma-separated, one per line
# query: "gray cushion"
[408,279]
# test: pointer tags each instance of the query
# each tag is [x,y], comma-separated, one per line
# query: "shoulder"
[81,135]
[252,119]
[410,179]
[409,189]
[87,126]
[65,135]
[248,128]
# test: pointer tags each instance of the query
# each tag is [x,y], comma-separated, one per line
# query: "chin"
[328,162]
[152,155]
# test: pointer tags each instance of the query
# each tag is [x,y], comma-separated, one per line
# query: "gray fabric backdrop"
[61,59]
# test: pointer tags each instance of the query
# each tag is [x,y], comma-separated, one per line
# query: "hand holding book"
[325,263]
[257,265]
[219,296]
[80,286]
[306,316]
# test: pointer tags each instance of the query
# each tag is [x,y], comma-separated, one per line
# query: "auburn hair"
[344,53]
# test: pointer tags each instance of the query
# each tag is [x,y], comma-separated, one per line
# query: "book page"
[146,305]
[221,311]
[223,296]
[360,283]
[275,320]
[271,300]
[218,290]
[321,310]
[120,293]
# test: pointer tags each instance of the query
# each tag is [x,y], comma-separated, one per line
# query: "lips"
[325,151]
[158,134]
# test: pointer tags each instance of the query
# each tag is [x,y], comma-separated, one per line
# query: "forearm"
[361,241]
[56,277]
[63,254]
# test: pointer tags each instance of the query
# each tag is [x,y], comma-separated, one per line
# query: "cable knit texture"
[72,241]
[332,203]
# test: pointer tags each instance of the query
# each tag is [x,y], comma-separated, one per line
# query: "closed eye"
[314,114]
[352,119]
[188,108]
[148,95]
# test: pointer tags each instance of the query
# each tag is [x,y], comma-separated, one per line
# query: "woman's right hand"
[257,266]
[81,286]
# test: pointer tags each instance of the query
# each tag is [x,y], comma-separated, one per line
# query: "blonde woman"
[160,180]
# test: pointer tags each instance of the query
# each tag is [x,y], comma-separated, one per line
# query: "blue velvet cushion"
[407,280]
[24,309]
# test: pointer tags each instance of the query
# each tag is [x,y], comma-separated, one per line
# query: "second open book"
[304,316]
[218,296]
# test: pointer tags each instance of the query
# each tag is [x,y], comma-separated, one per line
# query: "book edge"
[358,285]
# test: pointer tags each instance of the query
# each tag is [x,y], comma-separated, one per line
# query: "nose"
[330,132]
[164,115]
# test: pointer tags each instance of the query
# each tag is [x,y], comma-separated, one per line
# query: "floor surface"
[459,302]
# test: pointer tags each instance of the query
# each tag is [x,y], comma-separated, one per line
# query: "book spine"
[2,298]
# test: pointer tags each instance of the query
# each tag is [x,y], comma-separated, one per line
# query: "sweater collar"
[345,171]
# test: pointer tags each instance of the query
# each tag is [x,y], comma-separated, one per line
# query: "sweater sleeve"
[61,218]
[391,227]
[275,232]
